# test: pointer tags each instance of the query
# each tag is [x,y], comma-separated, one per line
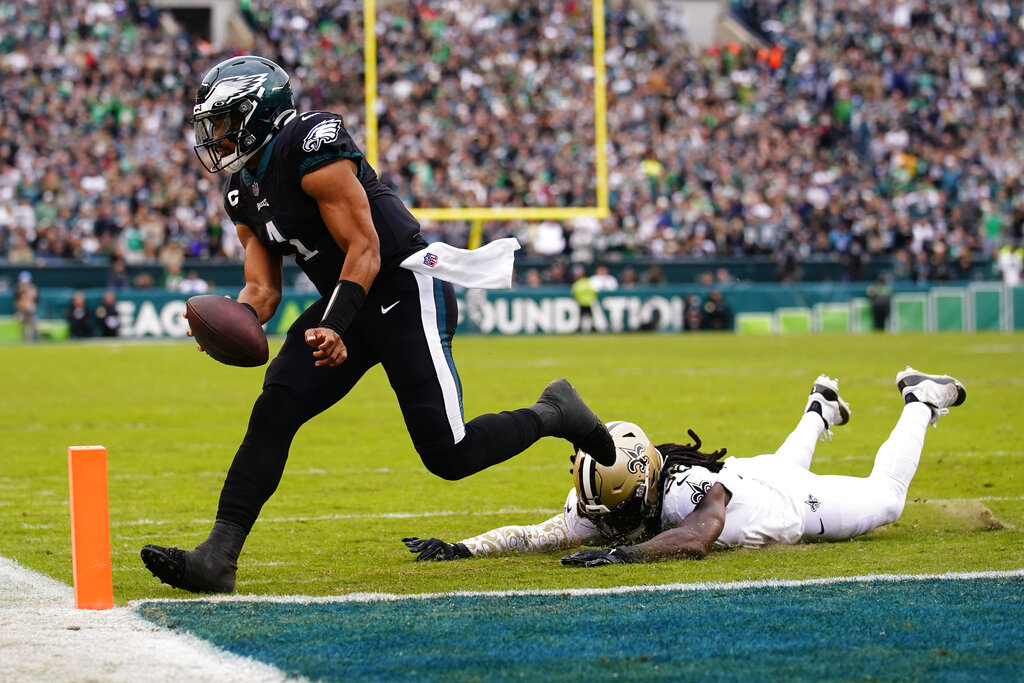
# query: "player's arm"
[263,276]
[693,539]
[345,210]
[551,534]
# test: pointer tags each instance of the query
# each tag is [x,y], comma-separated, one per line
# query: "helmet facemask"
[242,101]
[621,498]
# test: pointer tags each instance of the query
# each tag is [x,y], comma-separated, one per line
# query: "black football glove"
[435,549]
[595,557]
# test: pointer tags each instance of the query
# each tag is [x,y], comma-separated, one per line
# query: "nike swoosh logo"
[306,117]
[384,310]
[822,527]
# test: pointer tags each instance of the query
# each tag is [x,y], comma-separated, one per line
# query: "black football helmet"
[244,100]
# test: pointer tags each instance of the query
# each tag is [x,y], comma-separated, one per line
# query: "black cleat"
[190,570]
[565,415]
[210,568]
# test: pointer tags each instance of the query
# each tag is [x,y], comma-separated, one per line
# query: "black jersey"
[272,204]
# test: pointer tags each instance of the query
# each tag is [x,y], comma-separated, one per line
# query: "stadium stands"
[868,134]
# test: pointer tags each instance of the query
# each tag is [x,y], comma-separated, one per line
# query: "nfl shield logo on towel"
[430,260]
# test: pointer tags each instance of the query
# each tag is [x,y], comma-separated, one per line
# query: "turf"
[171,419]
[914,630]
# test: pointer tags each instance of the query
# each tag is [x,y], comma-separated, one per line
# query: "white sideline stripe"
[617,590]
[43,637]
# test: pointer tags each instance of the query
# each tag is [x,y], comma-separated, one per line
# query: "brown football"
[227,330]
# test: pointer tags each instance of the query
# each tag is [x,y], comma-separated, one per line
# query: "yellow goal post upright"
[477,215]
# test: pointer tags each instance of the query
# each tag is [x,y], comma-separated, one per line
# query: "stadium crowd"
[864,129]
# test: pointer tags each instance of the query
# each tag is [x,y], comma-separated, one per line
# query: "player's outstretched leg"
[564,414]
[210,568]
[938,392]
[824,409]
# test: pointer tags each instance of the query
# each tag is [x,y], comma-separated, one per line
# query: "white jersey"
[775,498]
[758,512]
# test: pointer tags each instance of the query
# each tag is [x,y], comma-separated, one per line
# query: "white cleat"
[939,392]
[834,410]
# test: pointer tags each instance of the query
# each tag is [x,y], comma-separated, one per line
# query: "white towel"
[489,267]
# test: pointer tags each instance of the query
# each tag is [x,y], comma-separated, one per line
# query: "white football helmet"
[620,498]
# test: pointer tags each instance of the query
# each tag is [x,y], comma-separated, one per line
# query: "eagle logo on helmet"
[228,90]
[325,131]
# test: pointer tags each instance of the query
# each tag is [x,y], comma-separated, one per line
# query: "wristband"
[347,299]
[461,550]
[251,310]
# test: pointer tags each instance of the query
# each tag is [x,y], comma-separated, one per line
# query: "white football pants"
[840,507]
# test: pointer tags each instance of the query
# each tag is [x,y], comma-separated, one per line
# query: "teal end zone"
[933,629]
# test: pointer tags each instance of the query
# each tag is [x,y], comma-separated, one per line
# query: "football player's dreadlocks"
[673,455]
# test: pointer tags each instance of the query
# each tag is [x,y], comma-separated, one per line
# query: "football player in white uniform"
[675,501]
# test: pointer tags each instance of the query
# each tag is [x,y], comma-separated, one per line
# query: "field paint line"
[616,590]
[43,637]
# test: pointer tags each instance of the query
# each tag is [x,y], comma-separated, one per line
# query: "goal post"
[479,214]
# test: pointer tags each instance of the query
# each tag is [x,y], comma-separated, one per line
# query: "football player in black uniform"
[299,186]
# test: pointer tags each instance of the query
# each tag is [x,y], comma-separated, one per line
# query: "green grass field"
[171,419]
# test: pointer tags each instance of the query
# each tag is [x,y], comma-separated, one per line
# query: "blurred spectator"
[717,313]
[558,273]
[78,317]
[26,301]
[653,276]
[585,295]
[193,284]
[628,279]
[117,275]
[854,134]
[693,313]
[880,297]
[1009,263]
[21,253]
[172,276]
[602,280]
[143,281]
[108,320]
[532,278]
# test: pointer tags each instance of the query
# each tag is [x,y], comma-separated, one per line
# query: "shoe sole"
[911,378]
[588,433]
[162,563]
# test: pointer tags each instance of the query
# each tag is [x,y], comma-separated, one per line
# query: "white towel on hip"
[489,267]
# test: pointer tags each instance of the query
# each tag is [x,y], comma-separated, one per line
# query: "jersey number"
[299,246]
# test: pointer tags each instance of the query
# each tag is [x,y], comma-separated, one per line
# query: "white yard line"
[616,590]
[43,637]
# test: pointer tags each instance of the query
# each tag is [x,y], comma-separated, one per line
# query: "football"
[227,330]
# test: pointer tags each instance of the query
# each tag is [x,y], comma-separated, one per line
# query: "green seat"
[54,330]
[986,301]
[754,323]
[832,317]
[909,313]
[10,329]
[1017,308]
[860,315]
[795,320]
[949,309]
